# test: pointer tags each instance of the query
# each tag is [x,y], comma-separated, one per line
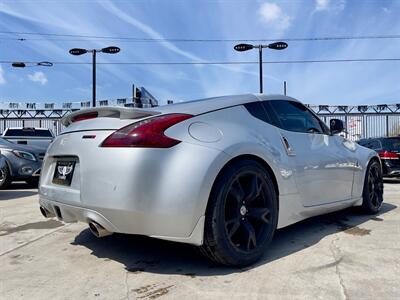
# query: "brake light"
[388,155]
[85,116]
[148,133]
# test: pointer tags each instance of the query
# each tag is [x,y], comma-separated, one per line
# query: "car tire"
[373,188]
[5,177]
[241,216]
[32,182]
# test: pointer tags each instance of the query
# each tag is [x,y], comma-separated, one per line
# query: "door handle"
[289,150]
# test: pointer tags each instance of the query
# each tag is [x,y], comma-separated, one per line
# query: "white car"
[221,173]
[30,136]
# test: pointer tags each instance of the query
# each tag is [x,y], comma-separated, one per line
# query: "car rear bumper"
[392,173]
[121,221]
[154,192]
[390,169]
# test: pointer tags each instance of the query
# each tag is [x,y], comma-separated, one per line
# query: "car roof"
[21,128]
[216,103]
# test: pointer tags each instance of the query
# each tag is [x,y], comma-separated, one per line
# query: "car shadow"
[392,180]
[17,190]
[143,254]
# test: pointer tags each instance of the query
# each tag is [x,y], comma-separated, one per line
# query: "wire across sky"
[26,36]
[219,62]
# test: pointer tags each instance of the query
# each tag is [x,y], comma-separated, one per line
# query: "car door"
[324,166]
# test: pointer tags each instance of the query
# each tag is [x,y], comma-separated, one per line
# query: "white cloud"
[2,79]
[38,77]
[324,5]
[272,15]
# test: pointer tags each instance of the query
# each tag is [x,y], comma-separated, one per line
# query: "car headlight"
[23,154]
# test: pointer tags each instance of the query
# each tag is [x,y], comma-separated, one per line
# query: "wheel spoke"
[232,226]
[237,191]
[371,194]
[254,190]
[251,240]
[261,214]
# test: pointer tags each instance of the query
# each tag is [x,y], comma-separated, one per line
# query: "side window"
[375,145]
[294,116]
[257,110]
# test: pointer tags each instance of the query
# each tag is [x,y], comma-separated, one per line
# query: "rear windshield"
[28,132]
[392,144]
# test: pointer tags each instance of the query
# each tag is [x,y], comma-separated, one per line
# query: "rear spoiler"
[110,112]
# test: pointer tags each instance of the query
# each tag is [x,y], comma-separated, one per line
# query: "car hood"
[31,149]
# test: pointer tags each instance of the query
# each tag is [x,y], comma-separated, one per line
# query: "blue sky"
[333,83]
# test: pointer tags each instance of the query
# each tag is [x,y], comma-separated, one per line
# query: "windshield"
[28,132]
[392,144]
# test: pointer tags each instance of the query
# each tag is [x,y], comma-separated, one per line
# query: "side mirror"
[336,126]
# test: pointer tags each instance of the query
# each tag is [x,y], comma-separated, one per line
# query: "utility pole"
[284,88]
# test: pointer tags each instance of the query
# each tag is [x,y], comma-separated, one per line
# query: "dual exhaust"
[95,228]
[98,230]
[46,213]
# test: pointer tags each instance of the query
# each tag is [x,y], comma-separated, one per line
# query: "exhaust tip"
[93,229]
[97,230]
[46,213]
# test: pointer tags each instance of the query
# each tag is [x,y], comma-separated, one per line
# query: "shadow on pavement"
[17,190]
[142,254]
[392,180]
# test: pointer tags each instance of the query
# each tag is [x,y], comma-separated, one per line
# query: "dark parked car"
[21,163]
[388,149]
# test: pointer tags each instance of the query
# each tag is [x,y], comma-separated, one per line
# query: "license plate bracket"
[63,172]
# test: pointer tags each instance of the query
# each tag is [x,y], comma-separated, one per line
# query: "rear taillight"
[147,133]
[388,155]
[85,116]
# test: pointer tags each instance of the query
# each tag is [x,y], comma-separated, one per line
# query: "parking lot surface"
[344,255]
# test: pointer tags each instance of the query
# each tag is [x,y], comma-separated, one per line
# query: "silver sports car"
[221,173]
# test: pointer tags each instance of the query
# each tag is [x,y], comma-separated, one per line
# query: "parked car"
[21,163]
[388,149]
[38,137]
[2,166]
[222,173]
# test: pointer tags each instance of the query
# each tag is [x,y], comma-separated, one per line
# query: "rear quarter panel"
[364,156]
[243,134]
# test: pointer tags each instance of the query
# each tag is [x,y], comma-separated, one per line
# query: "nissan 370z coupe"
[221,173]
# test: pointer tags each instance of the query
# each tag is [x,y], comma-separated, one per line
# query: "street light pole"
[94,79]
[261,70]
[79,51]
[274,46]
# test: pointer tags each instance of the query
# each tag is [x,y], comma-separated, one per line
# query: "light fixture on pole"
[108,50]
[274,46]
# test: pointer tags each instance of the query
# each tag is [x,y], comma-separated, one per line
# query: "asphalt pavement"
[344,255]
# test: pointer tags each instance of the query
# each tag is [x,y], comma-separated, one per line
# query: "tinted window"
[294,116]
[372,144]
[375,144]
[28,132]
[257,110]
[392,144]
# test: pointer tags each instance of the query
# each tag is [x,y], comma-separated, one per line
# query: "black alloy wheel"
[247,211]
[5,177]
[242,214]
[373,188]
